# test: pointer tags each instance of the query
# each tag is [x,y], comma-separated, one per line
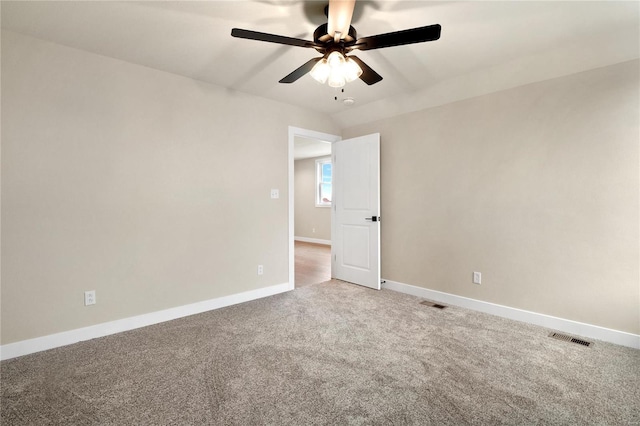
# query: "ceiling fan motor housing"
[320,36]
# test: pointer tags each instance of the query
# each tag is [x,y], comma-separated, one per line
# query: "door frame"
[305,133]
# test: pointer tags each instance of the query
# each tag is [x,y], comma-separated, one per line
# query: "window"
[323,182]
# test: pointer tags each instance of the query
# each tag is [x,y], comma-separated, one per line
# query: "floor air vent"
[433,305]
[570,339]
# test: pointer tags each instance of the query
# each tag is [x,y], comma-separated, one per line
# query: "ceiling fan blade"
[272,38]
[398,38]
[340,14]
[369,76]
[305,68]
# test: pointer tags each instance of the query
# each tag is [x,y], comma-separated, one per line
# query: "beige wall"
[307,216]
[150,188]
[536,187]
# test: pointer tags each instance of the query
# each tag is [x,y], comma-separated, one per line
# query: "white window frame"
[319,163]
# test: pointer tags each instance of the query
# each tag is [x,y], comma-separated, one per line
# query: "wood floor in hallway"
[313,263]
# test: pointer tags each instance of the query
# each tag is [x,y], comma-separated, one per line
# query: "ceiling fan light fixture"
[320,71]
[336,78]
[336,70]
[351,70]
[335,59]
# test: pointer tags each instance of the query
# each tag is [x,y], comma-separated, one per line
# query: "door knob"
[373,218]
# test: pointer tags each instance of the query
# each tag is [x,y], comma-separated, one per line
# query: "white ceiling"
[485,46]
[310,148]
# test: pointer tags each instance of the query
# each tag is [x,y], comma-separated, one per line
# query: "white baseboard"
[51,341]
[313,240]
[547,321]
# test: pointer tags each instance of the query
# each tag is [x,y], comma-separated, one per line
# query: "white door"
[356,218]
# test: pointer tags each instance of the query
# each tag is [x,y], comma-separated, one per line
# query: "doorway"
[310,238]
[312,263]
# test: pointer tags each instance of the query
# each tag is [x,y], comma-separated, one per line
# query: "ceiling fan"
[335,40]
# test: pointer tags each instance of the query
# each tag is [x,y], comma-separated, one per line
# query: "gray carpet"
[329,353]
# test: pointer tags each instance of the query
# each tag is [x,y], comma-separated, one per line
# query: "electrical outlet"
[89,298]
[275,193]
[477,277]
[260,270]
